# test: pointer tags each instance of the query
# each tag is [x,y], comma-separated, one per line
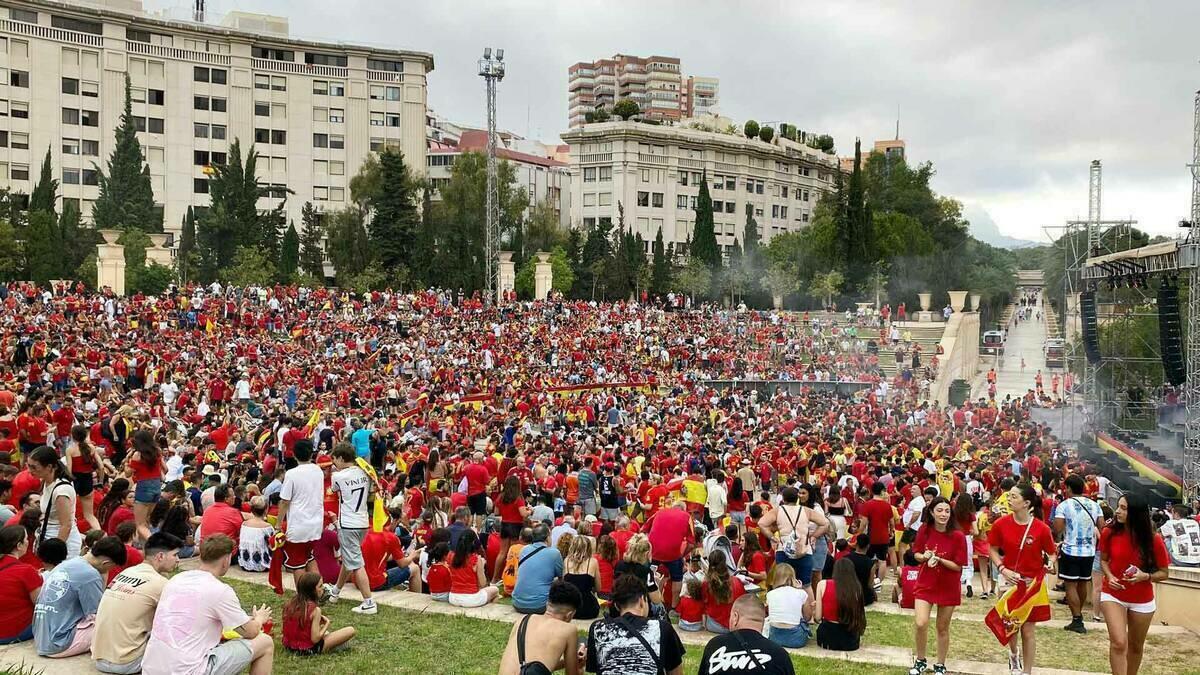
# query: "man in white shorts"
[353,487]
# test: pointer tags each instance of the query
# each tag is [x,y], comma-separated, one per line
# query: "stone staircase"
[927,334]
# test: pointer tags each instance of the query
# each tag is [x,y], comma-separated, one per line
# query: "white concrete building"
[313,110]
[655,172]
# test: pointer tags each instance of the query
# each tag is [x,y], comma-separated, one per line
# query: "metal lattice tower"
[1093,234]
[1091,392]
[1191,437]
[492,71]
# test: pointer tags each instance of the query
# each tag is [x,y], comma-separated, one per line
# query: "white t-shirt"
[352,486]
[304,488]
[193,610]
[786,604]
[169,390]
[1183,538]
[912,513]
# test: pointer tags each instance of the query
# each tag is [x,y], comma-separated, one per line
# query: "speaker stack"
[1170,334]
[1091,336]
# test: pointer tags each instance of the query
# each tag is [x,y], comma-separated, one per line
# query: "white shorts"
[477,599]
[1139,607]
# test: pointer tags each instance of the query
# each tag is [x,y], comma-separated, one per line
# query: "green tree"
[289,254]
[781,281]
[371,278]
[766,134]
[185,254]
[45,193]
[233,221]
[854,227]
[312,254]
[827,285]
[152,279]
[461,236]
[824,143]
[560,267]
[394,215]
[425,253]
[349,244]
[704,237]
[600,114]
[597,249]
[126,198]
[86,272]
[251,267]
[751,129]
[694,278]
[43,255]
[626,109]
[11,262]
[660,267]
[542,231]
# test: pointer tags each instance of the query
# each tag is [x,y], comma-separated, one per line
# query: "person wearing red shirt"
[222,517]
[875,517]
[22,484]
[19,586]
[477,476]
[380,547]
[1018,542]
[941,549]
[719,590]
[671,535]
[1133,556]
[513,513]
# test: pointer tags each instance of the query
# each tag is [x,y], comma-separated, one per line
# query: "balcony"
[687,163]
[177,54]
[659,160]
[293,68]
[580,83]
[596,158]
[49,33]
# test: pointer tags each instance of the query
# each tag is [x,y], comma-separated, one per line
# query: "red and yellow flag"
[1019,605]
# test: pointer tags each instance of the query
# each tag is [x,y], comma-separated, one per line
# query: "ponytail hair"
[48,456]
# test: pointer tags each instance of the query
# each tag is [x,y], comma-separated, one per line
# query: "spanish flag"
[379,516]
[1020,604]
[208,326]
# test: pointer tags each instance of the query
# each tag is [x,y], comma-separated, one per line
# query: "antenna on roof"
[198,11]
[897,111]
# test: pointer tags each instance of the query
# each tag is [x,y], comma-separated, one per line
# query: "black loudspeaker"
[1091,337]
[1170,335]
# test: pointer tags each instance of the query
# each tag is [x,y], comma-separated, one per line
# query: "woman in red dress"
[1133,556]
[1023,550]
[941,550]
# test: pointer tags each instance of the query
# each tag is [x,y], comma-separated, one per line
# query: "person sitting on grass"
[305,629]
[548,642]
[438,580]
[380,548]
[64,617]
[20,584]
[691,606]
[469,586]
[126,612]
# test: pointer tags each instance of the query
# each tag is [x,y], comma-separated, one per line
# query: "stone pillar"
[958,300]
[926,299]
[110,262]
[508,276]
[543,276]
[777,300]
[975,300]
[159,253]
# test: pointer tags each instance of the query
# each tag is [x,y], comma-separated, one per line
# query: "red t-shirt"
[221,518]
[719,612]
[119,515]
[1123,552]
[438,579]
[941,585]
[690,609]
[23,483]
[16,609]
[477,478]
[1006,535]
[668,532]
[132,557]
[878,512]
[464,579]
[511,512]
[376,548]
[606,575]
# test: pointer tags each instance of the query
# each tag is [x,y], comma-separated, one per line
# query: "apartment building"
[655,172]
[655,83]
[313,110]
[701,96]
[544,178]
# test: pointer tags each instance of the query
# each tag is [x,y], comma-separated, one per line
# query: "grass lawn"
[402,641]
[1057,648]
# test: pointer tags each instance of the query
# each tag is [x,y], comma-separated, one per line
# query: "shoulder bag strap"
[521,641]
[524,558]
[737,635]
[48,507]
[637,634]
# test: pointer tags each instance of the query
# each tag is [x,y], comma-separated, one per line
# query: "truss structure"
[1191,436]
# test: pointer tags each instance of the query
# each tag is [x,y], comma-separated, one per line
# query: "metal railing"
[294,68]
[51,33]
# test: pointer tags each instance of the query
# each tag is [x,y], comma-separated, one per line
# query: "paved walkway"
[1025,341]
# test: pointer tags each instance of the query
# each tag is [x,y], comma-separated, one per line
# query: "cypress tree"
[660,271]
[395,219]
[704,238]
[77,242]
[426,245]
[43,255]
[289,253]
[126,197]
[185,258]
[45,193]
[312,255]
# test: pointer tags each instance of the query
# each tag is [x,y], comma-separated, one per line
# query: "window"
[783,212]
[589,199]
[393,120]
[337,168]
[200,103]
[692,203]
[156,97]
[337,89]
[783,191]
[70,176]
[220,158]
[804,217]
[264,82]
[806,195]
[279,165]
[139,124]
[20,140]
[379,64]
[320,166]
[589,223]
[90,89]
[278,137]
[376,144]
[3,138]
[683,178]
[91,177]
[320,140]
[643,199]
[78,25]
[155,125]
[262,135]
[90,148]
[20,172]
[320,114]
[589,174]
[200,74]
[758,212]
[218,132]
[376,92]
[70,146]
[644,174]
[393,93]
[320,194]
[18,78]
[19,110]
[774,210]
[324,60]
[135,35]
[22,15]
[758,187]
[337,115]
[89,118]
[319,86]
[3,108]
[272,54]
[262,109]
[376,119]
[278,83]
[729,206]
[337,194]
[718,206]
[605,199]
[70,85]
[200,186]
[337,142]
[219,76]
[201,130]
[605,173]
[200,157]
[70,116]
[681,201]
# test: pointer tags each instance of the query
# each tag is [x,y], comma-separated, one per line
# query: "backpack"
[530,667]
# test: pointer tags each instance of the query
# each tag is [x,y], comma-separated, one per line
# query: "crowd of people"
[569,456]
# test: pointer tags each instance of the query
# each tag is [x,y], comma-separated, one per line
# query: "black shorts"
[317,648]
[477,504]
[908,537]
[511,531]
[85,484]
[879,551]
[1074,567]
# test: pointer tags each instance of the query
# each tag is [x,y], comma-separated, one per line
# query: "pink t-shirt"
[194,609]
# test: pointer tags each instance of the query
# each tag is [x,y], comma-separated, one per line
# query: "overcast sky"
[1009,100]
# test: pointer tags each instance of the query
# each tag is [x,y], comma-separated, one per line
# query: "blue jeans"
[23,636]
[790,637]
[713,627]
[395,577]
[803,567]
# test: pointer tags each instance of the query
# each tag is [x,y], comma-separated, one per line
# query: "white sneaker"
[367,607]
[1014,664]
[331,594]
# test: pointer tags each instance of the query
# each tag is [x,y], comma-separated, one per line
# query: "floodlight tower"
[492,71]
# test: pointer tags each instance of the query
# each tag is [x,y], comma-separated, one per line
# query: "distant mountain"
[985,229]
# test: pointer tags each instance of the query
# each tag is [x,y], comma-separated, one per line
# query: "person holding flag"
[1020,542]
[353,486]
